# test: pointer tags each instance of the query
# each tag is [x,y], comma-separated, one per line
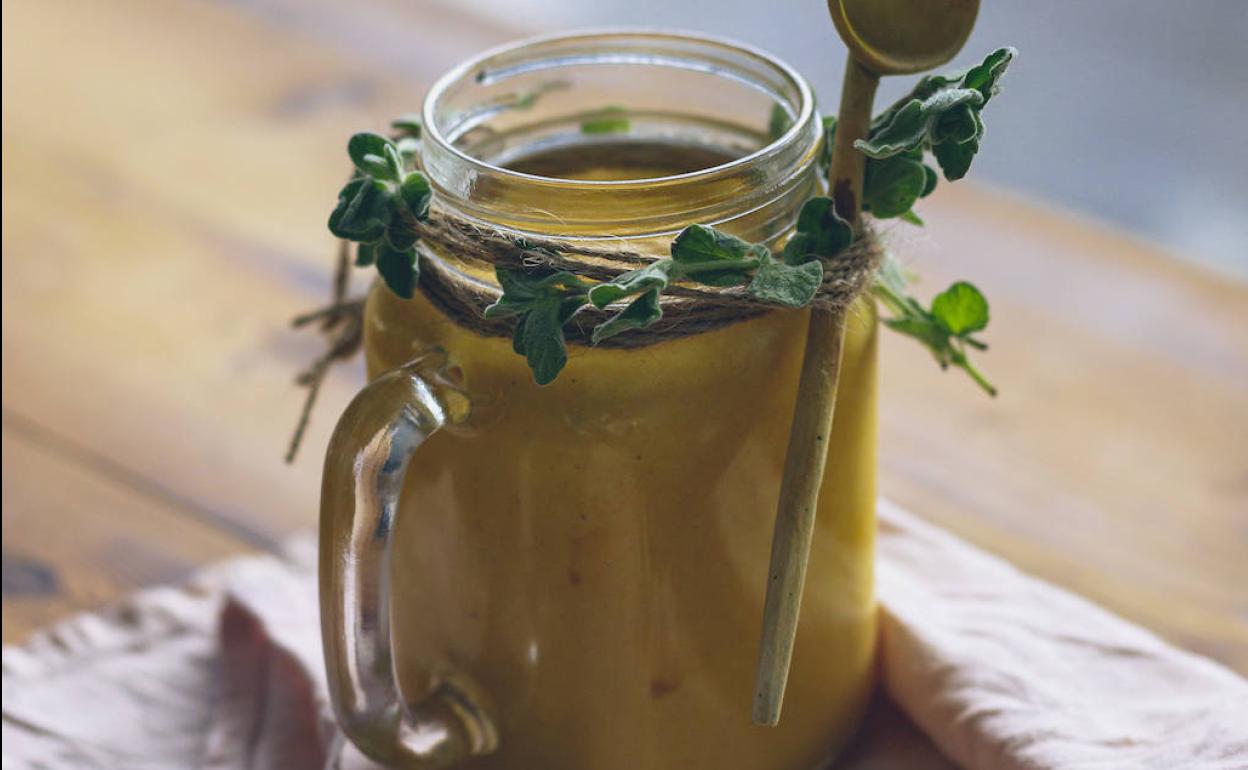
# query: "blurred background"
[168,166]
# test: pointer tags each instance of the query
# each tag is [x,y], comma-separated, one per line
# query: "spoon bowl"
[900,37]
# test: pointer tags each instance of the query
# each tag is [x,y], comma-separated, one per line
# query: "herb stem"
[895,302]
[716,265]
[962,362]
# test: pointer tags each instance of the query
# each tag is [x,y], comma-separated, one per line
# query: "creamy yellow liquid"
[594,553]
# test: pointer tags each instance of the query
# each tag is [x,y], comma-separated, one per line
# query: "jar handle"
[364,470]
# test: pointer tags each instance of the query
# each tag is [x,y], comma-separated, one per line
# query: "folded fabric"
[1005,671]
[998,669]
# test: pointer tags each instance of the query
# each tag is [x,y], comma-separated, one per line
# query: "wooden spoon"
[884,37]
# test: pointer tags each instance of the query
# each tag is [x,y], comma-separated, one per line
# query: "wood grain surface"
[168,166]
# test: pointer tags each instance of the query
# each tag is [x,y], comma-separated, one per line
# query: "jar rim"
[432,129]
[793,150]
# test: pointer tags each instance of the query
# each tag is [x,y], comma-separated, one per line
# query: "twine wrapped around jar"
[687,309]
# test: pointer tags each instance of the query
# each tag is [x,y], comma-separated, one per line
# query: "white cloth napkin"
[999,670]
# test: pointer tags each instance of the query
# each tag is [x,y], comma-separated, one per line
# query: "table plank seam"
[77,454]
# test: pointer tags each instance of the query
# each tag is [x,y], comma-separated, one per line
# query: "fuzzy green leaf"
[522,288]
[399,235]
[984,77]
[906,130]
[959,125]
[345,196]
[398,269]
[962,309]
[712,256]
[639,314]
[654,276]
[941,115]
[924,331]
[945,330]
[955,159]
[416,194]
[784,284]
[539,338]
[371,155]
[930,181]
[542,304]
[779,123]
[700,243]
[819,232]
[829,139]
[939,110]
[363,211]
[395,159]
[892,186]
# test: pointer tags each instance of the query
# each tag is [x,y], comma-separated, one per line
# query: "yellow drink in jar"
[593,553]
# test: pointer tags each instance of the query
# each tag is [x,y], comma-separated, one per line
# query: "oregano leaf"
[369,152]
[924,331]
[829,139]
[911,218]
[984,77]
[819,232]
[962,309]
[892,186]
[608,120]
[779,122]
[345,196]
[946,329]
[364,215]
[398,269]
[957,125]
[542,304]
[654,276]
[395,159]
[638,314]
[523,288]
[399,235]
[930,181]
[416,194]
[784,284]
[540,339]
[713,257]
[947,100]
[904,131]
[700,243]
[955,159]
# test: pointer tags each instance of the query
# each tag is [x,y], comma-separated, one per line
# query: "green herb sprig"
[946,328]
[940,117]
[608,120]
[374,206]
[543,303]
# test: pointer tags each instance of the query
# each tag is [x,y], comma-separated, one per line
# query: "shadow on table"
[888,741]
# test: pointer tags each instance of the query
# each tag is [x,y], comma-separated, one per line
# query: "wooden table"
[168,167]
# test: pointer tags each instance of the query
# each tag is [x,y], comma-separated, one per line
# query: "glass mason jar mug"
[573,575]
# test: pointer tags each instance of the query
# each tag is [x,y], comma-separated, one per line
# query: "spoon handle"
[852,123]
[810,433]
